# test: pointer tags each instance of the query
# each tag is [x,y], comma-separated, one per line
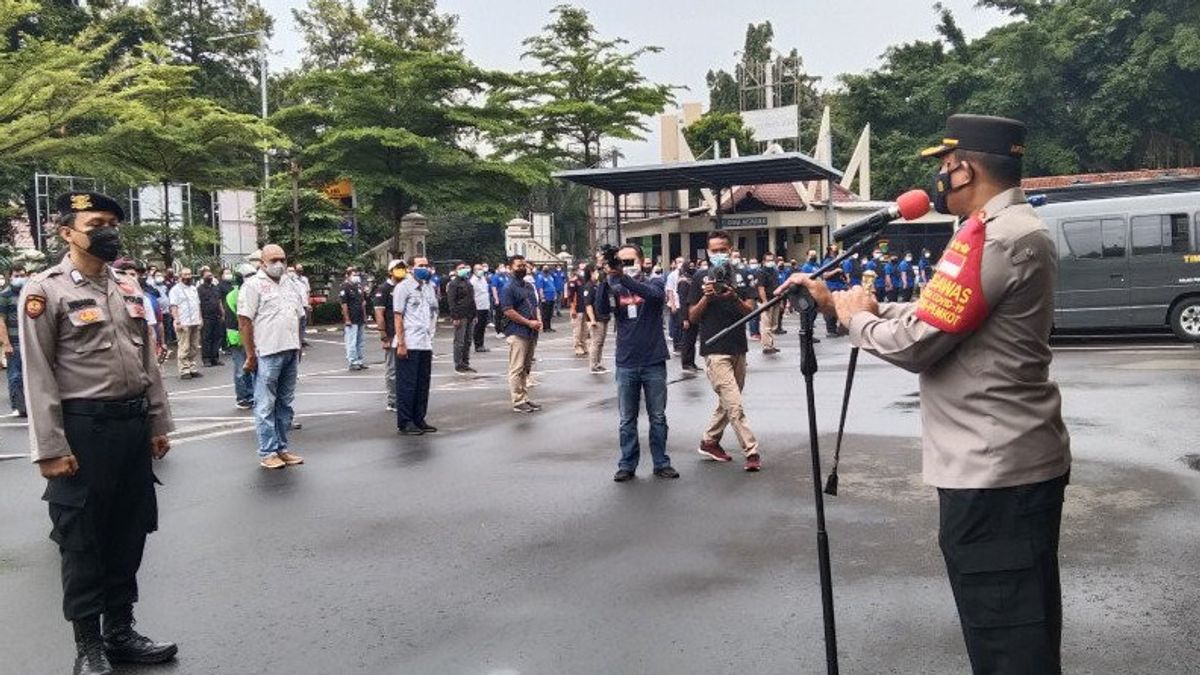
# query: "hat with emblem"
[981,133]
[79,202]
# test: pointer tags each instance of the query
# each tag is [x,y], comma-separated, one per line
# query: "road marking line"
[250,427]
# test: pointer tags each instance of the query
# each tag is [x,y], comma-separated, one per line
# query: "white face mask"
[355,279]
[275,270]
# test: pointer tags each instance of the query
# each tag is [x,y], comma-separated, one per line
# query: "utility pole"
[294,166]
[261,36]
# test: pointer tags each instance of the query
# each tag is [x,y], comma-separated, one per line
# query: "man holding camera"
[637,303]
[993,436]
[719,297]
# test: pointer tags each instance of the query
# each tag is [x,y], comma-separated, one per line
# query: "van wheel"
[1185,320]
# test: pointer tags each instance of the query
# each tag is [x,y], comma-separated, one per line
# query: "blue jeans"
[755,326]
[630,384]
[243,382]
[16,381]
[274,391]
[355,343]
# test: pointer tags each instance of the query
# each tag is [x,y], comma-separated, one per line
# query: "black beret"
[981,133]
[79,202]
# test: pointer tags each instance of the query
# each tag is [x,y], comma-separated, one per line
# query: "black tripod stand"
[803,301]
[807,308]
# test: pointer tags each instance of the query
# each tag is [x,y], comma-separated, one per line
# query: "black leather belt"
[120,410]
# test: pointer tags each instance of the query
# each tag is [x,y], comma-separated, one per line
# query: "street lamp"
[262,81]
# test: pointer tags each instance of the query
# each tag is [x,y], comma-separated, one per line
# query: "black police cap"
[79,202]
[981,133]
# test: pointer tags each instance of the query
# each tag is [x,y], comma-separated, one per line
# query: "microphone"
[909,206]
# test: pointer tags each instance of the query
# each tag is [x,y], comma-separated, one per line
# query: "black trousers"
[481,322]
[906,294]
[412,387]
[499,320]
[462,341]
[547,314]
[212,339]
[101,515]
[1001,552]
[687,346]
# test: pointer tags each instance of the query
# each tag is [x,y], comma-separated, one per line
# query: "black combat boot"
[124,644]
[89,648]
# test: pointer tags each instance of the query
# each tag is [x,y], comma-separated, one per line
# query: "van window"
[1095,239]
[1153,235]
[1083,238]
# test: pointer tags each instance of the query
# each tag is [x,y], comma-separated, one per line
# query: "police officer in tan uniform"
[994,441]
[97,415]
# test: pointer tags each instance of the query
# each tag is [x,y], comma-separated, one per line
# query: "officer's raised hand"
[851,302]
[59,467]
[816,288]
[159,446]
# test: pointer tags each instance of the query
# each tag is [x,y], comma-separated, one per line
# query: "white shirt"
[672,287]
[417,304]
[274,307]
[187,299]
[483,295]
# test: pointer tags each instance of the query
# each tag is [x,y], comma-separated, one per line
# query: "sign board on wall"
[773,124]
[741,222]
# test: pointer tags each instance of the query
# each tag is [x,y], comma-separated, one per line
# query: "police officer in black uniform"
[98,414]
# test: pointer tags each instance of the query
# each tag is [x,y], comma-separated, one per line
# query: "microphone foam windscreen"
[913,204]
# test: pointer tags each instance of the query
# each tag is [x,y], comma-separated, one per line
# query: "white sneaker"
[391,407]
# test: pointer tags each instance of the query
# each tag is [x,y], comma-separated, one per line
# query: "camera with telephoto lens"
[609,253]
[720,276]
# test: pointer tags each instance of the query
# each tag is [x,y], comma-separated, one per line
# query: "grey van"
[1127,263]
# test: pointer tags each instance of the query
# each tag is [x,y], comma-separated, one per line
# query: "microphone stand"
[803,301]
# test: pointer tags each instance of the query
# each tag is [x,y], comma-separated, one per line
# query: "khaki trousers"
[579,331]
[770,321]
[596,339]
[189,346]
[520,362]
[727,374]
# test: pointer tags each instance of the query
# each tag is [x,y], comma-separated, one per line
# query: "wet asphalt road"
[501,546]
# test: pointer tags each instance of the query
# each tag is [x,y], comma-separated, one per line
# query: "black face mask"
[941,191]
[104,243]
[520,273]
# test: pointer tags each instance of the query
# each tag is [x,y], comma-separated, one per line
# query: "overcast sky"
[834,37]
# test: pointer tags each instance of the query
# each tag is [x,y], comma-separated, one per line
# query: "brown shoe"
[272,462]
[290,458]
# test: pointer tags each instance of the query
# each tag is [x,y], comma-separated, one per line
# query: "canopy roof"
[712,173]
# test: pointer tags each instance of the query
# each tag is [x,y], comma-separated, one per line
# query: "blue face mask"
[18,282]
[716,259]
[422,273]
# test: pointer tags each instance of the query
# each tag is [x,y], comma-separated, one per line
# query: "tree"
[1102,84]
[719,127]
[586,89]
[413,24]
[197,32]
[322,243]
[330,30]
[407,128]
[159,131]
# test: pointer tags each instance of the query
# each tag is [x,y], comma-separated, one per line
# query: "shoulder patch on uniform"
[1022,254]
[35,306]
[953,300]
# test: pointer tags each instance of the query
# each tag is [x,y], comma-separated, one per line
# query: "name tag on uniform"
[631,311]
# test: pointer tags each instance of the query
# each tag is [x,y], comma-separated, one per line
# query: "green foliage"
[457,236]
[719,127]
[328,312]
[197,32]
[330,30]
[1102,84]
[586,89]
[158,131]
[322,243]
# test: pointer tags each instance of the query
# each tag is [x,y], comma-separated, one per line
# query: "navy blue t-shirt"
[639,314]
[519,294]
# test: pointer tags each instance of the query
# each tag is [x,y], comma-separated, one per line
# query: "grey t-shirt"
[275,309]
